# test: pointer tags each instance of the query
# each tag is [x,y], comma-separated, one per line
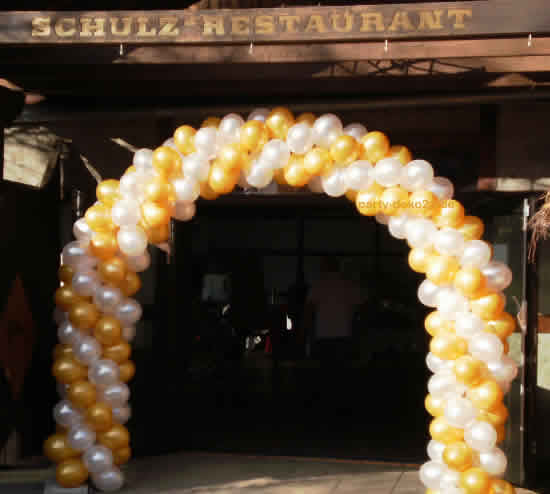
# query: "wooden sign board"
[359,23]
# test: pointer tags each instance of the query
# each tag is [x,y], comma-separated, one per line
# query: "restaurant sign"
[390,21]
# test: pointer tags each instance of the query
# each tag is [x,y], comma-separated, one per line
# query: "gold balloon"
[65,297]
[211,122]
[184,139]
[451,214]
[130,169]
[368,202]
[122,455]
[458,456]
[279,121]
[489,306]
[108,330]
[127,371]
[442,431]
[155,214]
[469,281]
[159,190]
[113,270]
[435,405]
[103,245]
[501,433]
[468,370]
[99,219]
[487,395]
[393,200]
[496,417]
[475,481]
[62,350]
[345,150]
[223,180]
[99,417]
[472,228]
[351,195]
[230,157]
[402,153]
[166,161]
[116,437]
[207,192]
[448,346]
[419,259]
[503,326]
[119,352]
[376,146]
[506,345]
[253,136]
[295,172]
[107,192]
[423,203]
[83,315]
[279,176]
[307,117]
[157,235]
[68,370]
[442,269]
[317,161]
[57,449]
[499,486]
[131,284]
[71,473]
[65,274]
[82,393]
[435,322]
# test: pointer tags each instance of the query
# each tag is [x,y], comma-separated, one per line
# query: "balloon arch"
[96,313]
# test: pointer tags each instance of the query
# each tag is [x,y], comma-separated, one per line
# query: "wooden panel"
[358,22]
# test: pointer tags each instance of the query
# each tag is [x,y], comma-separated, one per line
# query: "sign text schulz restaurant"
[425,20]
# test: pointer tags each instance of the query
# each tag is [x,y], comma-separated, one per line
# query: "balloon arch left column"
[96,313]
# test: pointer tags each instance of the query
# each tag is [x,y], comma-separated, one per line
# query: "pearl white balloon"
[275,153]
[468,324]
[387,172]
[420,232]
[73,253]
[442,187]
[230,126]
[80,437]
[186,188]
[486,347]
[260,175]
[449,482]
[436,364]
[107,298]
[498,275]
[326,128]
[131,184]
[109,480]
[197,166]
[397,226]
[358,175]
[206,142]
[85,282]
[459,411]
[129,312]
[480,436]
[129,333]
[126,212]
[68,334]
[116,394]
[383,219]
[139,263]
[259,114]
[300,138]
[143,159]
[184,210]
[476,253]
[82,232]
[333,183]
[430,474]
[170,143]
[427,293]
[66,414]
[355,130]
[87,262]
[59,316]
[435,450]
[315,185]
[442,383]
[97,459]
[87,350]
[494,462]
[416,175]
[449,242]
[122,414]
[103,373]
[132,241]
[503,370]
[450,302]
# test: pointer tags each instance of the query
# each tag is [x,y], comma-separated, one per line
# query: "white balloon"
[132,240]
[315,185]
[430,474]
[87,350]
[139,263]
[383,219]
[498,275]
[80,437]
[205,141]
[103,372]
[300,138]
[143,160]
[230,128]
[97,459]
[129,312]
[436,364]
[468,324]
[196,165]
[68,334]
[450,302]
[449,482]
[131,184]
[442,383]
[397,225]
[460,411]
[186,188]
[260,175]
[259,114]
[109,480]
[122,414]
[85,282]
[387,172]
[170,143]
[326,129]
[107,298]
[82,232]
[358,175]
[442,187]
[116,394]
[494,462]
[126,212]
[480,436]
[476,253]
[449,242]
[504,370]
[420,232]
[333,183]
[275,153]
[416,175]
[435,450]
[427,293]
[73,253]
[129,333]
[184,210]
[66,414]
[356,130]
[486,347]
